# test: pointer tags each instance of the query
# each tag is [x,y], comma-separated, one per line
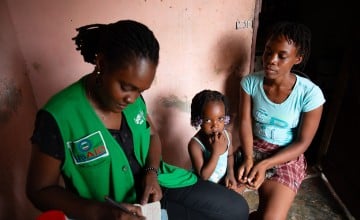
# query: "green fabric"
[94,162]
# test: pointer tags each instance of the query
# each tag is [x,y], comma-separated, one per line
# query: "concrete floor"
[314,201]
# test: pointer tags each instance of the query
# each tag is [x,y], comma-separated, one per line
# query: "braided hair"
[296,33]
[119,42]
[200,100]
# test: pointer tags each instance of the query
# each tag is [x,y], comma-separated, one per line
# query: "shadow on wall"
[173,113]
[235,62]
[17,112]
[172,116]
[171,119]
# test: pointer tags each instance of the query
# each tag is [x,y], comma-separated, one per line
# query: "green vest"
[94,162]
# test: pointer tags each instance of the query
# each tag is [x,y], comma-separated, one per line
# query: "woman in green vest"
[96,135]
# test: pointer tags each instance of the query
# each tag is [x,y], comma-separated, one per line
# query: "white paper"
[152,211]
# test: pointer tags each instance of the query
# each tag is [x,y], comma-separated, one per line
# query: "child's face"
[213,118]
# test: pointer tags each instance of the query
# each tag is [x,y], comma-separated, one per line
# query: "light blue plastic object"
[164,215]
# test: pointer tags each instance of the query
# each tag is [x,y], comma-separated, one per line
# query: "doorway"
[332,66]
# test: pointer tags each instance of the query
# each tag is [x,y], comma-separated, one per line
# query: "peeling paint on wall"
[36,66]
[176,102]
[10,99]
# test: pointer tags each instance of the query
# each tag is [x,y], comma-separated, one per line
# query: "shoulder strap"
[201,144]
[228,138]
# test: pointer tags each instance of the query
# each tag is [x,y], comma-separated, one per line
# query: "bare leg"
[275,200]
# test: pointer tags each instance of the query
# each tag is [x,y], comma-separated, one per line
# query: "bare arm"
[205,168]
[152,190]
[46,193]
[230,168]
[230,180]
[246,135]
[307,130]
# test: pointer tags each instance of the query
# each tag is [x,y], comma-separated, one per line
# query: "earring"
[98,76]
[97,70]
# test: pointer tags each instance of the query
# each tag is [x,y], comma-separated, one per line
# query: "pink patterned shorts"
[291,173]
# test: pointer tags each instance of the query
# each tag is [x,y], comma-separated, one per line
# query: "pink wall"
[17,113]
[200,48]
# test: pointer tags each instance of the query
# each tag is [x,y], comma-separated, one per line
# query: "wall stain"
[174,101]
[36,66]
[10,99]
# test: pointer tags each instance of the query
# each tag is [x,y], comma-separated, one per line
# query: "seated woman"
[279,115]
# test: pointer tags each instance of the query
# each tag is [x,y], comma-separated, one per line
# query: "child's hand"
[230,182]
[218,143]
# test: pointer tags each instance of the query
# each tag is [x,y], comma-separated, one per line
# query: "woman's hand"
[111,212]
[151,188]
[245,169]
[257,176]
[152,191]
[230,182]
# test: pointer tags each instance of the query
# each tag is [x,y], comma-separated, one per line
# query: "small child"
[210,150]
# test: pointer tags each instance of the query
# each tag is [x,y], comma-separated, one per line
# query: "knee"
[267,215]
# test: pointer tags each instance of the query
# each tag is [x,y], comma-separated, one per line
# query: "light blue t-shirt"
[221,165]
[278,123]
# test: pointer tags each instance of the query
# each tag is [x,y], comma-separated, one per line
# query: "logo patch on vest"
[140,118]
[88,149]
